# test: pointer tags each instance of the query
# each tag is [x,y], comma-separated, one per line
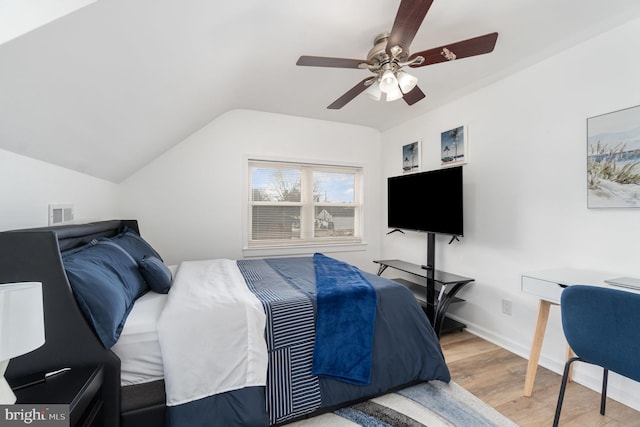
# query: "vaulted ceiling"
[107,88]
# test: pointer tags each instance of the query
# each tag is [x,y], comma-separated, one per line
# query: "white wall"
[525,189]
[189,200]
[28,186]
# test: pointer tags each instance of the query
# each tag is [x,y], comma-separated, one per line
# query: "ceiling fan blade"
[322,61]
[462,49]
[349,95]
[413,96]
[410,15]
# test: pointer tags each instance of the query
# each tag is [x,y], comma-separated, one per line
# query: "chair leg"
[603,397]
[563,386]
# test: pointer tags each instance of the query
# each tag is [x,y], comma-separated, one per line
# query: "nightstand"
[78,387]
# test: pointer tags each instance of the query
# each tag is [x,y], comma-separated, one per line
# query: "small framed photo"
[411,157]
[454,147]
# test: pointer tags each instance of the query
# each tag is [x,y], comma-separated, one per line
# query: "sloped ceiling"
[108,88]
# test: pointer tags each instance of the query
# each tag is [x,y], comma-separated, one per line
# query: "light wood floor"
[496,376]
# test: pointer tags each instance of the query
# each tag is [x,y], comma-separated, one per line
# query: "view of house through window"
[295,203]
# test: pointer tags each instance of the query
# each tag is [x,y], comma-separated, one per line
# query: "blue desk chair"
[602,327]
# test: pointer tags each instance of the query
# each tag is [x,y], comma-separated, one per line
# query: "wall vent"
[60,214]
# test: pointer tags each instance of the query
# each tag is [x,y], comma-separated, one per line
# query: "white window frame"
[307,243]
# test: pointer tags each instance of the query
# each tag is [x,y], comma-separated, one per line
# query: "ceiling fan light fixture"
[373,92]
[394,94]
[406,81]
[388,81]
[390,54]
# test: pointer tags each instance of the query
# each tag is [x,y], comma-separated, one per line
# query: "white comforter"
[211,332]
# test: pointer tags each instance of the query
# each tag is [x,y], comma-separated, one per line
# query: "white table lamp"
[21,327]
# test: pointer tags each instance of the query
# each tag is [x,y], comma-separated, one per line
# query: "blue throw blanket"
[345,321]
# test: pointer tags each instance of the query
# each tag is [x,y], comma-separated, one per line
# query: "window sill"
[267,251]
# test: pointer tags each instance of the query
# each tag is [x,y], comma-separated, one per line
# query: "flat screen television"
[427,201]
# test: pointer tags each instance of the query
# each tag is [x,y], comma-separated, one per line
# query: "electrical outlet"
[506,306]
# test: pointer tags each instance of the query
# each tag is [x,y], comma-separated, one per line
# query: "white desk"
[547,285]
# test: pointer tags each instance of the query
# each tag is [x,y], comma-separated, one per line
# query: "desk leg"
[536,346]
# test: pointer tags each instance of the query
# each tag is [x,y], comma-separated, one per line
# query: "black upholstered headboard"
[33,255]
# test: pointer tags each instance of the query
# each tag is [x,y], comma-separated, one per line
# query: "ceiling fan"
[390,53]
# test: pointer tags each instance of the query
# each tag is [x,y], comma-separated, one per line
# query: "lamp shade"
[388,81]
[394,94]
[21,327]
[21,318]
[373,91]
[406,81]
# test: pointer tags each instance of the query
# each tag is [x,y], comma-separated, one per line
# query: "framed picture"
[613,159]
[411,157]
[453,147]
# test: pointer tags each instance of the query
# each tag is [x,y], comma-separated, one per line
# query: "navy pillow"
[156,274]
[135,245]
[106,282]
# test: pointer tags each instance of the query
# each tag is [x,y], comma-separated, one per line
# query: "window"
[299,203]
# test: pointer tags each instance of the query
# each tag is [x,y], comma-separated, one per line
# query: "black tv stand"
[446,284]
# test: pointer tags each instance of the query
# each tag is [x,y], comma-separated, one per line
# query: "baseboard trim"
[618,387]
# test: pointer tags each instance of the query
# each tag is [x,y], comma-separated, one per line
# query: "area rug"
[432,404]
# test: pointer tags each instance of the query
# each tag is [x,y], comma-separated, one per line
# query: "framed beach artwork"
[613,159]
[454,147]
[411,157]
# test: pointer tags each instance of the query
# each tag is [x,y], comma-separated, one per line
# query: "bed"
[287,379]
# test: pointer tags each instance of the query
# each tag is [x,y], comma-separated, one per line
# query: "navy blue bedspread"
[405,350]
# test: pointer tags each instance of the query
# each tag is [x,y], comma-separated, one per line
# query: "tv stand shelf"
[445,285]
